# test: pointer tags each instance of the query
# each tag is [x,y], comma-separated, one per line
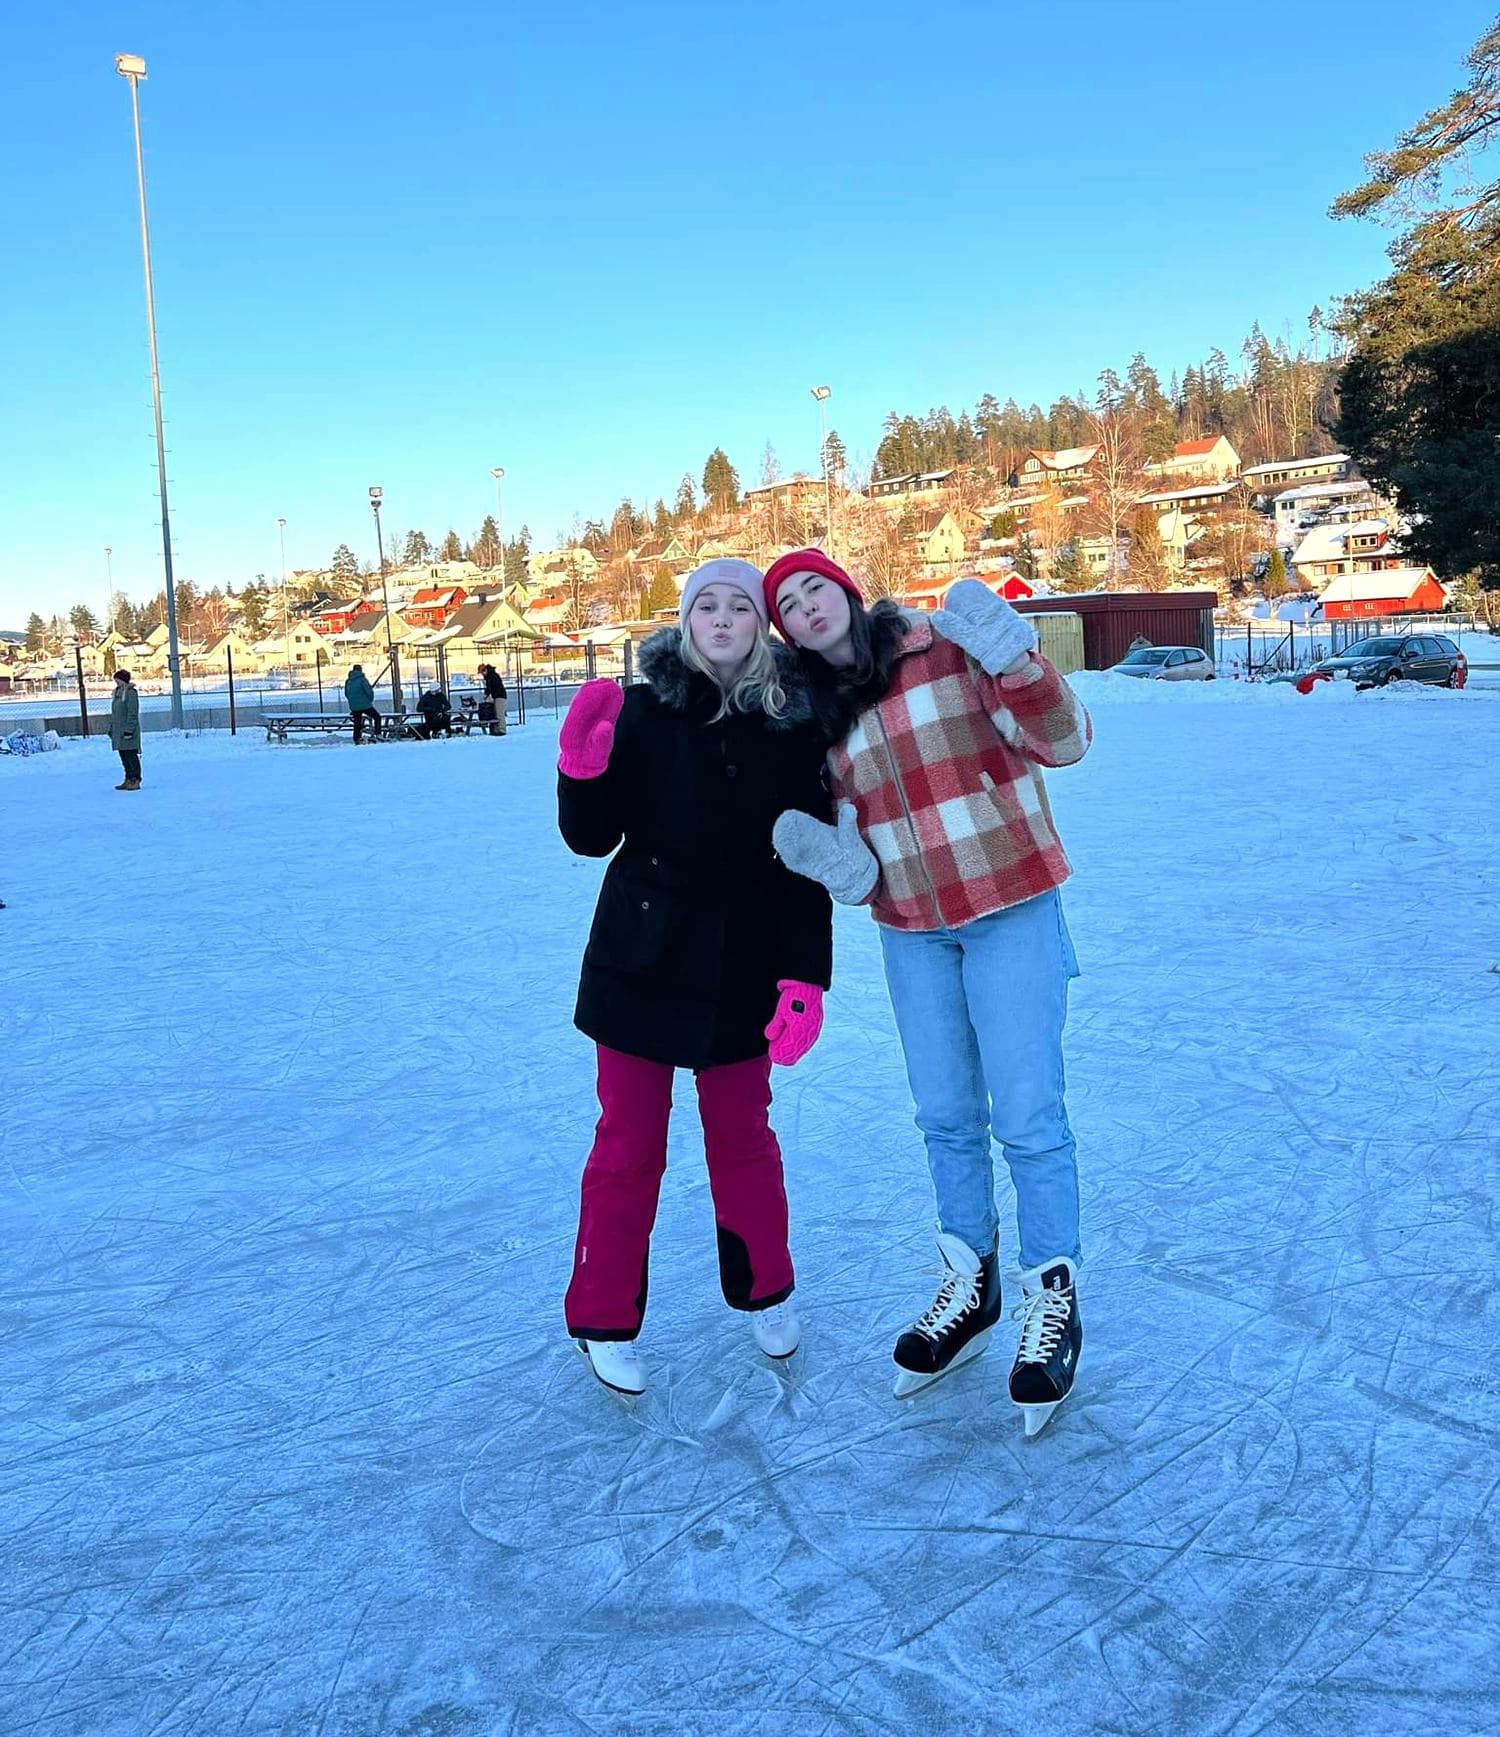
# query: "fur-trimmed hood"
[678,687]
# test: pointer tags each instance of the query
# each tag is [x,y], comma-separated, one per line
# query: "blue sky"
[402,244]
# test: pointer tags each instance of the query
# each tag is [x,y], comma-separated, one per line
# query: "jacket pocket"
[636,923]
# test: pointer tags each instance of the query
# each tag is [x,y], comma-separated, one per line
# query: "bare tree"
[1116,473]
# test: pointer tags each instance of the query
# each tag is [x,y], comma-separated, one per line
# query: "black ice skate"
[957,1326]
[1051,1342]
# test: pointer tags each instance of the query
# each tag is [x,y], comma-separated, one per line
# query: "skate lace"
[942,1313]
[1044,1319]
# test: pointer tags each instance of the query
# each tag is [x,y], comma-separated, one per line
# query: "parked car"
[1166,663]
[1389,657]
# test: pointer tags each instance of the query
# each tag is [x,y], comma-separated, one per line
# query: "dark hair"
[840,695]
[122,672]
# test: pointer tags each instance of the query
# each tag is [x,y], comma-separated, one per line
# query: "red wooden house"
[433,605]
[340,617]
[1391,591]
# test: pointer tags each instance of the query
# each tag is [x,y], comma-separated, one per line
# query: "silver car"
[1167,663]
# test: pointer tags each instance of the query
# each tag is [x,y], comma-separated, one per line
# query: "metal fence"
[1256,648]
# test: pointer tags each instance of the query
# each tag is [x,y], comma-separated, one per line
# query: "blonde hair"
[758,686]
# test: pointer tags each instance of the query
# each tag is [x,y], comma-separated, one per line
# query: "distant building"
[1392,591]
[1212,460]
[1281,473]
[1365,546]
[916,485]
[1070,468]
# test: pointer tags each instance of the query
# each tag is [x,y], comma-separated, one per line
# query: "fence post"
[627,658]
[83,698]
[229,659]
[318,655]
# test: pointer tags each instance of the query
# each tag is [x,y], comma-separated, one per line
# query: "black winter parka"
[698,918]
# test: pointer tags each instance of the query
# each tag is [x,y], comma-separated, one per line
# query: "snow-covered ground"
[292,1439]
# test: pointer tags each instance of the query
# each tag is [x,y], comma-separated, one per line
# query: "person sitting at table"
[437,714]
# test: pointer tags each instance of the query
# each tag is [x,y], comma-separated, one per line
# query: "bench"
[283,724]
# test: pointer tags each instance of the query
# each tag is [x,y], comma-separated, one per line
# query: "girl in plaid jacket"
[942,726]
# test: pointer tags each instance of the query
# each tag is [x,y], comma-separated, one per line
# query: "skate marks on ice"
[1241,1548]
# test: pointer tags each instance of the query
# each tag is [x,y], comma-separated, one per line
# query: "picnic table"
[394,726]
[280,725]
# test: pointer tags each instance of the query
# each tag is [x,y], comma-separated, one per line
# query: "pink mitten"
[588,731]
[796,1022]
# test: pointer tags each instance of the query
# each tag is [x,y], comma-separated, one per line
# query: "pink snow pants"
[622,1181]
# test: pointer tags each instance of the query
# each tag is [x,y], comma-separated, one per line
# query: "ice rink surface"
[292,1438]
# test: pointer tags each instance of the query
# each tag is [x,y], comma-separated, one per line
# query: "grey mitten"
[836,856]
[984,625]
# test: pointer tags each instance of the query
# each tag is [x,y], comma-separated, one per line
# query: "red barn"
[1391,591]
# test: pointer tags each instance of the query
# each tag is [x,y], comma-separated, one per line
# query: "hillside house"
[1284,473]
[1210,460]
[915,487]
[1327,551]
[1070,469]
[434,605]
[548,566]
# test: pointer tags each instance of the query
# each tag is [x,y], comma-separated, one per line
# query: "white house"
[1212,459]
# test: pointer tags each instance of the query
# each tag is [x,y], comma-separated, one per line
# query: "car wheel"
[1451,679]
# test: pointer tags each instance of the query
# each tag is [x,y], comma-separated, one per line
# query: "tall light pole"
[133,69]
[376,495]
[498,472]
[109,590]
[286,612]
[822,394]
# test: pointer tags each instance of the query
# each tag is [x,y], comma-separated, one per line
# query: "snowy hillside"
[292,1438]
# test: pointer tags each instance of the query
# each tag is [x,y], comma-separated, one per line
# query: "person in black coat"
[492,712]
[706,952]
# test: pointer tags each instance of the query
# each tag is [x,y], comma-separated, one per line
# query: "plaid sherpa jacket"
[944,775]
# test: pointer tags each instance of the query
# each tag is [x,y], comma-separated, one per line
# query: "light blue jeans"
[980,1013]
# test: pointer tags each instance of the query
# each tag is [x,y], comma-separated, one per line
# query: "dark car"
[1408,657]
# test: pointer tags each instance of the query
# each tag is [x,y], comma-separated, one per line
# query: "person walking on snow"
[125,728]
[706,952]
[360,697]
[943,724]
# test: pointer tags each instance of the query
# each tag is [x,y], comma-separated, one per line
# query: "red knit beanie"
[804,561]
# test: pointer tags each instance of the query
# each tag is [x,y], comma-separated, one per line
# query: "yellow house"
[213,659]
[938,540]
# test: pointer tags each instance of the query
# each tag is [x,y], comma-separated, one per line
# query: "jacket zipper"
[937,909]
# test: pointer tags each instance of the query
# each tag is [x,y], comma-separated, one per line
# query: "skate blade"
[1037,1417]
[909,1381]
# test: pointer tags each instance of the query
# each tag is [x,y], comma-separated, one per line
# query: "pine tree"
[721,483]
[661,593]
[1276,584]
[452,549]
[687,501]
[253,611]
[484,551]
[344,572]
[834,456]
[662,520]
[416,551]
[83,622]
[36,633]
[1418,393]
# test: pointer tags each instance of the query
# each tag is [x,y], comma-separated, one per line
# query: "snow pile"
[292,1437]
